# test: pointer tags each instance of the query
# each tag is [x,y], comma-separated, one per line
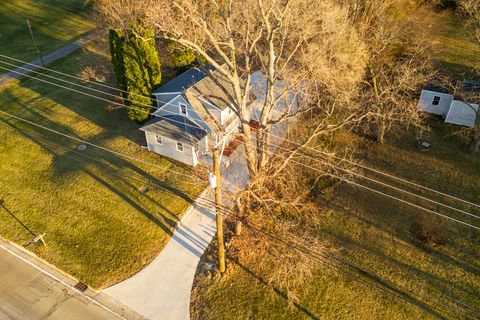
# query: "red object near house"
[254,124]
[232,146]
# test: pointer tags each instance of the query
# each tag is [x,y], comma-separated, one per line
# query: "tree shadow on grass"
[114,121]
[5,208]
[308,313]
[119,184]
[404,235]
[447,284]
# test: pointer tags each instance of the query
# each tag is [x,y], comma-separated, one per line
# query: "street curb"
[91,295]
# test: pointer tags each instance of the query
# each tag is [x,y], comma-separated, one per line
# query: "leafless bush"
[89,73]
[430,233]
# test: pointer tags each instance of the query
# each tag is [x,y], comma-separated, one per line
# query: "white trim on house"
[183,107]
[157,138]
[208,102]
[165,104]
[165,93]
[180,147]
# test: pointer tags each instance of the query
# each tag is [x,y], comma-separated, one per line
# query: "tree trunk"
[382,128]
[263,148]
[249,149]
[475,144]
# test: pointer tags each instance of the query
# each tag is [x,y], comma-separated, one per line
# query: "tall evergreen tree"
[117,41]
[137,69]
[181,57]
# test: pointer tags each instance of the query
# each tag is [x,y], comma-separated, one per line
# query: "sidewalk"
[33,289]
[162,290]
[49,58]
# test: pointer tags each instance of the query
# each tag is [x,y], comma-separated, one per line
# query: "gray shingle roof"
[185,80]
[176,127]
[435,88]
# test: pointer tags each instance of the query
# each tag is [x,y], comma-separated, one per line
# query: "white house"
[193,113]
[438,101]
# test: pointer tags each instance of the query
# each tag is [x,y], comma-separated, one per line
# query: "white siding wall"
[214,111]
[168,148]
[225,115]
[426,99]
[163,99]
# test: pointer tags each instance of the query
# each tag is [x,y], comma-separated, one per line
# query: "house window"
[180,146]
[183,110]
[436,101]
[158,139]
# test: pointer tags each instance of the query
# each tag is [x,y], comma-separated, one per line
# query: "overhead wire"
[209,201]
[190,177]
[283,138]
[398,189]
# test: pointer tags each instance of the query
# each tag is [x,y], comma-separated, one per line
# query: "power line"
[388,195]
[284,139]
[70,76]
[378,182]
[103,99]
[211,203]
[379,172]
[398,189]
[97,146]
[84,86]
[378,192]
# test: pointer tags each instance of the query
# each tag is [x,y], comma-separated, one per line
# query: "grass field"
[54,23]
[381,235]
[99,227]
[457,54]
[377,234]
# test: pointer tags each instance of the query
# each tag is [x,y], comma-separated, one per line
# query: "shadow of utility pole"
[2,205]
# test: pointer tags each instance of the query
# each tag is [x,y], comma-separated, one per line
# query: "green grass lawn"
[99,227]
[54,23]
[379,233]
[457,53]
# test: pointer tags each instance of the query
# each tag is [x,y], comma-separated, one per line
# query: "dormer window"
[436,101]
[183,109]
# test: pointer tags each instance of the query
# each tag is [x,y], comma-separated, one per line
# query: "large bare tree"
[300,46]
[398,64]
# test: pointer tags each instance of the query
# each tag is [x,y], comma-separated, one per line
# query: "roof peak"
[185,80]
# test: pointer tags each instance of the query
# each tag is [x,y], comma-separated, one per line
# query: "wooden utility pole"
[218,205]
[35,43]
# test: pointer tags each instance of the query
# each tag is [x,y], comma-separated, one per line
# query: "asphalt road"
[49,58]
[29,290]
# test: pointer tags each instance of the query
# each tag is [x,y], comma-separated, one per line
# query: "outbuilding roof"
[435,88]
[176,127]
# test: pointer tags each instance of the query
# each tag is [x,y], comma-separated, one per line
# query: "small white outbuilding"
[462,113]
[438,100]
[435,100]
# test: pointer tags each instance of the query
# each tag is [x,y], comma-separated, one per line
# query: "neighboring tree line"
[357,55]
